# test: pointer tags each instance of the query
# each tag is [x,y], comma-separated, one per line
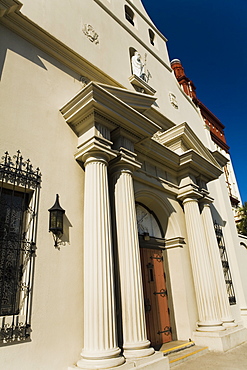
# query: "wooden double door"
[155,297]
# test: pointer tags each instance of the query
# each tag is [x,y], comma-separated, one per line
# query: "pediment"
[110,107]
[182,139]
[136,100]
[141,102]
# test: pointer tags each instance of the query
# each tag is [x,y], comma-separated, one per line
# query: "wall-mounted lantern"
[56,221]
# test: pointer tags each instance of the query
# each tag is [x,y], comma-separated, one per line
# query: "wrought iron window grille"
[19,199]
[225,264]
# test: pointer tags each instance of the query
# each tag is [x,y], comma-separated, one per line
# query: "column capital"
[97,148]
[206,200]
[189,192]
[124,162]
[190,199]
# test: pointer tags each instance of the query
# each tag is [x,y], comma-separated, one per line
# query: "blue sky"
[210,39]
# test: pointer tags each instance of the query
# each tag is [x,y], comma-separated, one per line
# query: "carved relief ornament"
[89,31]
[173,100]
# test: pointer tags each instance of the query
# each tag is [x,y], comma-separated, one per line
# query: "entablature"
[182,138]
[157,182]
[105,113]
[94,98]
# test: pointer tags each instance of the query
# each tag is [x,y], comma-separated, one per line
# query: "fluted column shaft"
[135,343]
[213,249]
[206,295]
[100,346]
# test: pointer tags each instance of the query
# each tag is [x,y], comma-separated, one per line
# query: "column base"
[229,324]
[157,361]
[244,316]
[138,350]
[100,359]
[221,341]
[210,326]
[107,363]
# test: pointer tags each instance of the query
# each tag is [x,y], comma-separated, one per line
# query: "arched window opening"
[147,222]
[151,36]
[129,15]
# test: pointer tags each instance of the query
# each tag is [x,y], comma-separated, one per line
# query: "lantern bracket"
[56,222]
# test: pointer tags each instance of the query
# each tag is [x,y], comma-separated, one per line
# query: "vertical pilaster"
[100,346]
[206,295]
[135,343]
[213,249]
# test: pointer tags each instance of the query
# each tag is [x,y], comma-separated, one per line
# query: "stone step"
[180,351]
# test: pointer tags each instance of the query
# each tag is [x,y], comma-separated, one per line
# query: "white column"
[100,346]
[213,249]
[206,295]
[135,343]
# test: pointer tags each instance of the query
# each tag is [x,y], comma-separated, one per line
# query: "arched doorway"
[154,283]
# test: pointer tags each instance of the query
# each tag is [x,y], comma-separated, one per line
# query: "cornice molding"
[9,6]
[193,161]
[160,119]
[94,97]
[183,137]
[187,163]
[220,158]
[139,101]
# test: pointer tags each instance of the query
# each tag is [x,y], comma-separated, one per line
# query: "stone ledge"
[221,341]
[157,361]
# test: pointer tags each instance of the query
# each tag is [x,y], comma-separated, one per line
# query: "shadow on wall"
[12,42]
[216,216]
[66,225]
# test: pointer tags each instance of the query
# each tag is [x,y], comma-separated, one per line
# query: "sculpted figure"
[137,65]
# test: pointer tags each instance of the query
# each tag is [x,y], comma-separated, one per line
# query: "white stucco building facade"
[139,260]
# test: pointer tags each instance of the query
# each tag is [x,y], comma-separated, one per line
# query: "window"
[12,211]
[151,36]
[129,15]
[19,194]
[225,264]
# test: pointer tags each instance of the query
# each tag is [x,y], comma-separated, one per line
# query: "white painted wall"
[33,88]
[222,213]
[241,252]
[116,35]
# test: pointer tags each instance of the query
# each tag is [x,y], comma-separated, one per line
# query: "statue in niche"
[138,67]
